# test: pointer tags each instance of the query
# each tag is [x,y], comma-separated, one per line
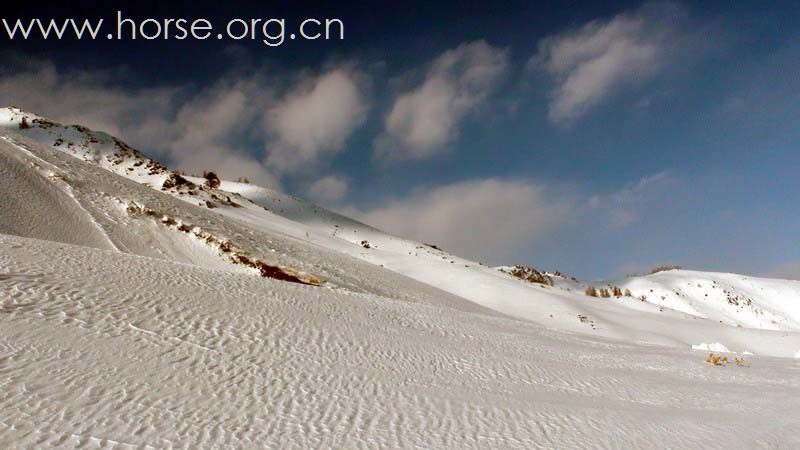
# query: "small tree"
[604,293]
[617,291]
[591,291]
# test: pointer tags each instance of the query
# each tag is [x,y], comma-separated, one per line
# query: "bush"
[530,275]
[591,291]
[604,293]
[663,269]
[616,291]
[717,360]
[174,180]
[23,124]
[212,180]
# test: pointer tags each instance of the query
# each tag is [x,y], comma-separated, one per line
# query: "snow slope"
[32,187]
[562,306]
[679,308]
[774,304]
[101,349]
[106,202]
[144,307]
[736,300]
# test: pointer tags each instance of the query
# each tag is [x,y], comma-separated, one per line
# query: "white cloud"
[331,188]
[209,128]
[195,134]
[218,128]
[485,218]
[315,119]
[600,57]
[424,120]
[622,207]
[85,98]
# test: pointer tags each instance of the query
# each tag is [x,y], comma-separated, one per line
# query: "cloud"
[591,62]
[315,119]
[482,218]
[83,97]
[193,132]
[331,188]
[209,130]
[221,127]
[424,120]
[622,207]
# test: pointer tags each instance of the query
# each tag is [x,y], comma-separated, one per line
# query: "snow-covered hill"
[675,307]
[736,300]
[310,325]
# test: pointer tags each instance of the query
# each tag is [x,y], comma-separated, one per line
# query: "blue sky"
[599,139]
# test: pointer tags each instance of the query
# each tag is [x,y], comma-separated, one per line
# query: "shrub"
[23,124]
[591,291]
[168,221]
[717,360]
[663,269]
[616,291]
[740,361]
[174,180]
[212,180]
[530,275]
[604,293]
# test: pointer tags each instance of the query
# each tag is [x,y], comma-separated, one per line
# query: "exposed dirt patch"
[226,248]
